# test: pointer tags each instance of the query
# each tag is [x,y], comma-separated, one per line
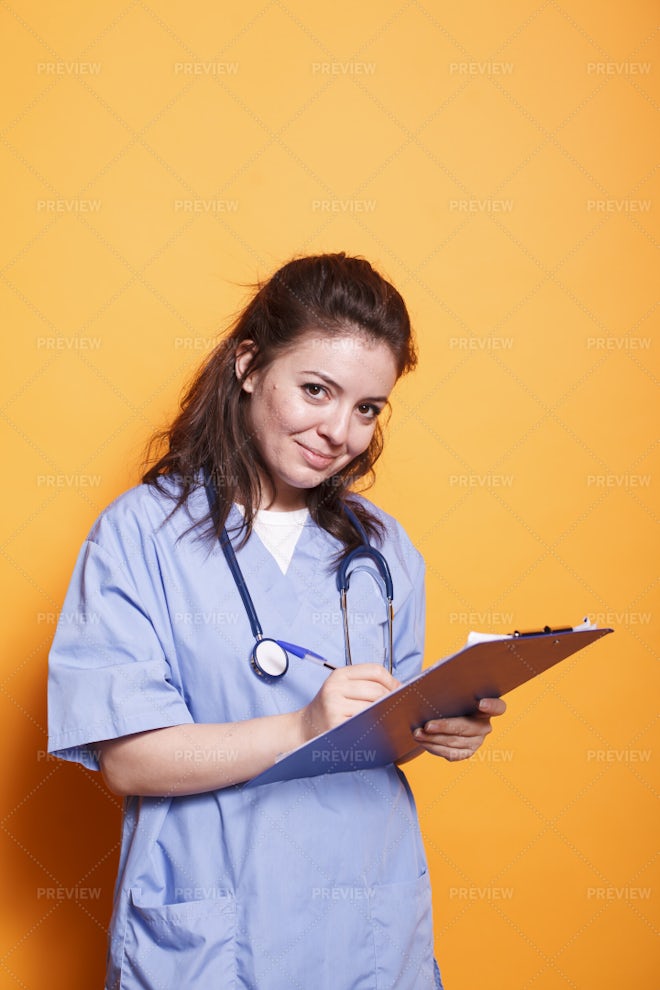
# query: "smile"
[316,458]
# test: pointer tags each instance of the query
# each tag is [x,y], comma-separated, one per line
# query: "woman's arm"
[194,758]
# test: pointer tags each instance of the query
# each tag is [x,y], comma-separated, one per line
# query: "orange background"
[496,162]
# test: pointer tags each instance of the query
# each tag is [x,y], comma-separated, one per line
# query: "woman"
[316,882]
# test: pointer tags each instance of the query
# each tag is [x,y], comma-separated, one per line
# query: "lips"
[316,458]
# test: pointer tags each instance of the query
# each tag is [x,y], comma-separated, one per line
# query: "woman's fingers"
[492,706]
[459,737]
[362,681]
[347,691]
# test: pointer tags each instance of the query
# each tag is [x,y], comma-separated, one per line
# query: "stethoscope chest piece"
[269,659]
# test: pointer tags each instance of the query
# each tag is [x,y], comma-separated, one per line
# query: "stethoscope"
[270,657]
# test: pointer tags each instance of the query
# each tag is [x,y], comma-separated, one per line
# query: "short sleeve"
[108,673]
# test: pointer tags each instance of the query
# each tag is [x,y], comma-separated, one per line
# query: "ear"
[245,353]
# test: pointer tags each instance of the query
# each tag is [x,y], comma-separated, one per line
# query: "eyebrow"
[334,384]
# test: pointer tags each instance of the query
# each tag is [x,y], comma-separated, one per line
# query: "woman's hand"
[459,738]
[347,691]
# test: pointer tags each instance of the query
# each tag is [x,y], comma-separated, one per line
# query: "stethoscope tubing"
[232,563]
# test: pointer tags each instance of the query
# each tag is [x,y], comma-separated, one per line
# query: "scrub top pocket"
[189,944]
[403,934]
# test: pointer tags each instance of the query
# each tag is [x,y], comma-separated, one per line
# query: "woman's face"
[314,409]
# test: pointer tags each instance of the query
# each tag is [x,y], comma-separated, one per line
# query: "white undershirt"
[279,532]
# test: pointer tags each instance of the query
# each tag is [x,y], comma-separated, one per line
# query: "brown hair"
[330,293]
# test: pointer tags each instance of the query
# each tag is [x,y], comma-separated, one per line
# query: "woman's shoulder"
[395,539]
[145,510]
[390,523]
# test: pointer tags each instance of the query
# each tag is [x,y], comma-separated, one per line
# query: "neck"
[280,504]
[287,500]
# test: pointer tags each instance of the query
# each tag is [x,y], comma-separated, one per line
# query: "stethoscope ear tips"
[269,659]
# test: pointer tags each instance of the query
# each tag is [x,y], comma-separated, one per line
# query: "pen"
[305,654]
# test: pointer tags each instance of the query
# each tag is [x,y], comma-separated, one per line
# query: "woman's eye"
[313,389]
[366,409]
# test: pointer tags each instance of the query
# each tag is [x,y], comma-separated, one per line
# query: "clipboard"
[381,733]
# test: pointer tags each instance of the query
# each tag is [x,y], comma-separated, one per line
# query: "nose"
[334,428]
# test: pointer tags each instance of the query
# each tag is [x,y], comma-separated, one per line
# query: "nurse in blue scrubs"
[316,882]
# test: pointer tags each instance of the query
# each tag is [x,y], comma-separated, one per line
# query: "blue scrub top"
[318,882]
